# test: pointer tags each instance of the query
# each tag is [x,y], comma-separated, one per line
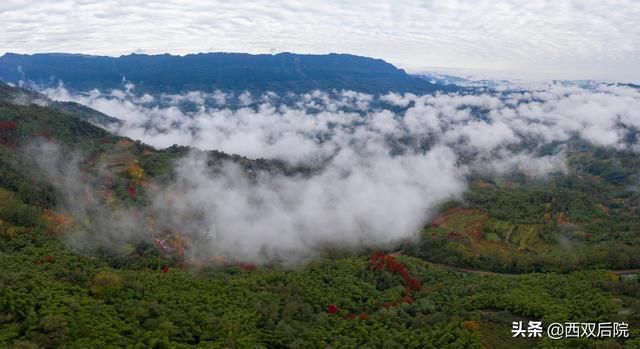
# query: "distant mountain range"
[284,72]
[442,79]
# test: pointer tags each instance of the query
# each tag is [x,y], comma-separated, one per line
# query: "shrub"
[106,284]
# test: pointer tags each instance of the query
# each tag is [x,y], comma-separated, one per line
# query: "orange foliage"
[178,243]
[445,216]
[57,220]
[563,218]
[246,266]
[134,171]
[125,143]
[471,325]
[46,259]
[217,259]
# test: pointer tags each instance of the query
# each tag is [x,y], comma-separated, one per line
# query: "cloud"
[311,127]
[353,201]
[382,165]
[98,224]
[363,196]
[548,39]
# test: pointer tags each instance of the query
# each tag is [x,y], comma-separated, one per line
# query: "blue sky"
[523,39]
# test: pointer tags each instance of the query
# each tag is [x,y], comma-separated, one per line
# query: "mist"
[382,164]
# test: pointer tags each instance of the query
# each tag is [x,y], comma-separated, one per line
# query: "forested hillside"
[587,218]
[557,249]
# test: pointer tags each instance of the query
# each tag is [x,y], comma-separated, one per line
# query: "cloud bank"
[382,164]
[313,126]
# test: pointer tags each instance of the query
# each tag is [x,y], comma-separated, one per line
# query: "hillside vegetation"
[554,247]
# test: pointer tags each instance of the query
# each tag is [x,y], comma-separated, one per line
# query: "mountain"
[284,72]
[444,79]
[62,288]
[18,96]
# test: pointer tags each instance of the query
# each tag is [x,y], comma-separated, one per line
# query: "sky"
[558,39]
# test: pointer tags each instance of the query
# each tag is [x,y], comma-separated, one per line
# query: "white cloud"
[314,127]
[542,39]
[353,201]
[376,181]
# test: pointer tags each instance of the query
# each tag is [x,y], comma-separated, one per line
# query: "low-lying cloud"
[382,164]
[352,201]
[319,123]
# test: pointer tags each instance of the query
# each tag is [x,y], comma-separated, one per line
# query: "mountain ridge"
[166,73]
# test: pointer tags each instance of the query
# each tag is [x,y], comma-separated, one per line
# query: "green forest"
[514,248]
